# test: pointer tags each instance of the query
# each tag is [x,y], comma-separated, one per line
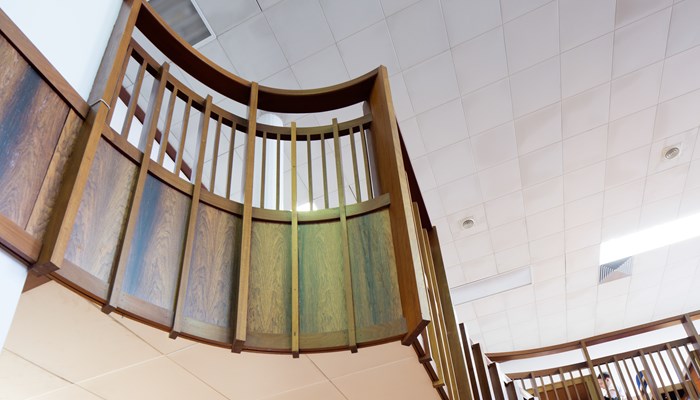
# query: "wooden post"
[589,363]
[295,248]
[78,168]
[241,316]
[392,179]
[482,372]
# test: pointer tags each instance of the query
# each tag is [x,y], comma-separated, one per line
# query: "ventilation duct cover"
[615,270]
[184,18]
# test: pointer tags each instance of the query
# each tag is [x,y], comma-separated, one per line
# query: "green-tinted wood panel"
[101,220]
[321,286]
[270,288]
[31,119]
[155,259]
[214,269]
[374,281]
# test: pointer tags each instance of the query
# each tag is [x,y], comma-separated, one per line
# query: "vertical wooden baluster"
[612,377]
[181,294]
[279,171]
[241,315]
[668,374]
[658,372]
[622,377]
[554,388]
[325,173]
[649,376]
[679,372]
[535,390]
[166,132]
[65,209]
[563,383]
[693,362]
[183,137]
[688,369]
[149,129]
[215,158]
[639,375]
[544,388]
[134,101]
[264,167]
[231,150]
[589,363]
[365,155]
[631,379]
[349,303]
[120,84]
[358,189]
[499,389]
[482,372]
[309,170]
[295,249]
[573,380]
[469,356]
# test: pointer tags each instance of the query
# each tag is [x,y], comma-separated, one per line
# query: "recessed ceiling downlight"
[671,152]
[468,223]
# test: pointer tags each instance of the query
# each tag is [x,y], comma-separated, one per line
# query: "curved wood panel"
[99,225]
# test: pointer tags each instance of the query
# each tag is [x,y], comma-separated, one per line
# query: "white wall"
[72,34]
[12,277]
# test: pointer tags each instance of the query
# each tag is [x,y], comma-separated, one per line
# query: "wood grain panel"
[213,280]
[322,305]
[153,266]
[99,224]
[31,119]
[374,280]
[52,182]
[269,299]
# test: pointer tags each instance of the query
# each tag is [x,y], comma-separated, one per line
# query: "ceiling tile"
[72,392]
[500,180]
[418,32]
[677,115]
[515,8]
[538,129]
[545,223]
[583,279]
[473,247]
[684,141]
[392,6]
[253,48]
[584,182]
[509,235]
[455,276]
[583,236]
[466,19]
[693,180]
[519,296]
[432,83]
[553,290]
[322,69]
[480,61]
[513,258]
[666,183]
[511,207]
[223,15]
[21,379]
[626,167]
[284,79]
[324,390]
[586,66]
[635,91]
[480,268]
[77,352]
[476,213]
[621,224]
[583,21]
[153,379]
[690,202]
[632,10]
[541,165]
[681,74]
[412,138]
[535,87]
[368,49]
[623,197]
[433,203]
[424,173]
[683,33]
[532,37]
[443,126]
[641,43]
[587,257]
[543,196]
[449,254]
[586,111]
[587,209]
[548,269]
[460,194]
[452,162]
[488,107]
[494,147]
[265,4]
[155,337]
[522,313]
[337,364]
[585,149]
[465,312]
[582,298]
[489,305]
[400,98]
[631,132]
[300,27]
[547,247]
[346,18]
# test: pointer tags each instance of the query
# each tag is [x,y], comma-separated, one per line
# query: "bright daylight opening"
[651,238]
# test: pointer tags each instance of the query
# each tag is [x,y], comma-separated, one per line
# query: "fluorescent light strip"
[492,285]
[649,239]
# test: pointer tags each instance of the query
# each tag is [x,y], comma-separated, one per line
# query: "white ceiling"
[543,120]
[62,347]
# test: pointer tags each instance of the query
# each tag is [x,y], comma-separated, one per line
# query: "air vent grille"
[615,270]
[184,18]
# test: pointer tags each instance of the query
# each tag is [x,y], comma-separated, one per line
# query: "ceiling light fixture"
[671,152]
[651,238]
[491,285]
[468,223]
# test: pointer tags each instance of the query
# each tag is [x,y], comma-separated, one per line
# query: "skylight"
[651,238]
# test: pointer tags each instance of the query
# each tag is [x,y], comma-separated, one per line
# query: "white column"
[12,277]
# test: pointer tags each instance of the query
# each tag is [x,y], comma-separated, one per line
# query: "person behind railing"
[608,388]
